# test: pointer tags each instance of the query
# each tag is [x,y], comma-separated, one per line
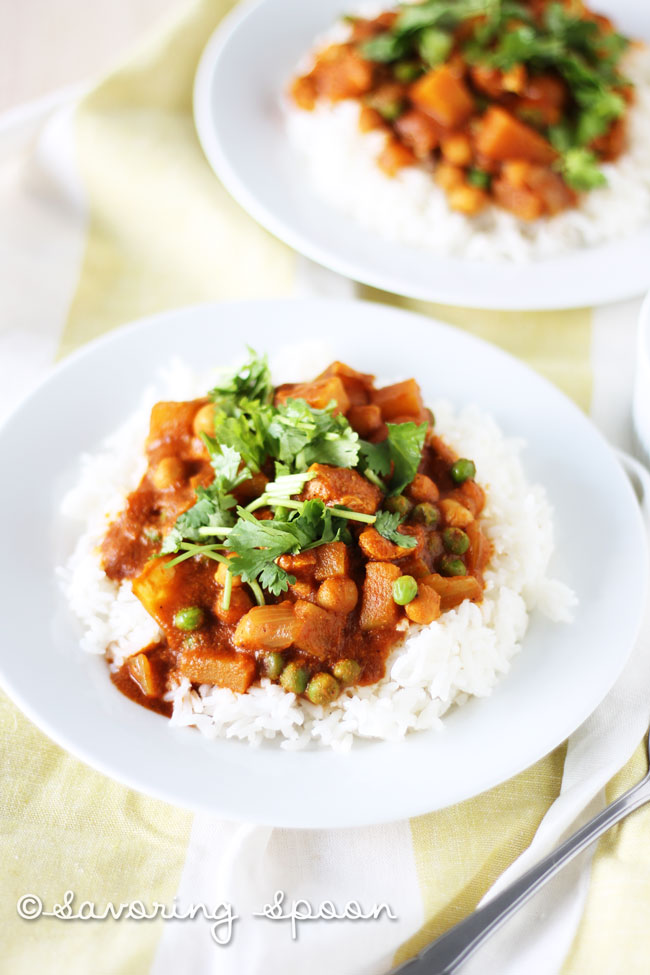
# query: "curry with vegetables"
[510,102]
[294,534]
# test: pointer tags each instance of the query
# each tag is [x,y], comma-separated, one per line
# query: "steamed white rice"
[462,654]
[411,209]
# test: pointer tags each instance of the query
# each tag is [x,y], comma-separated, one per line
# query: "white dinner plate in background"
[240,82]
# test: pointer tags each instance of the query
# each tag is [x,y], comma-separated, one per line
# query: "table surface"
[46,45]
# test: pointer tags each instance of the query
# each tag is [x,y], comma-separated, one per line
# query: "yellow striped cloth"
[162,232]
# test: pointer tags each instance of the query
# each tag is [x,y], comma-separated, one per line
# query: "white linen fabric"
[42,202]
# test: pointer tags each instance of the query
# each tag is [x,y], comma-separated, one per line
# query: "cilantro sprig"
[251,434]
[504,33]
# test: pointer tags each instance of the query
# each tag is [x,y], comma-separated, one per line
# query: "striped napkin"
[111,212]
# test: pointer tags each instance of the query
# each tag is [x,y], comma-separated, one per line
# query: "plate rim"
[218,160]
[80,749]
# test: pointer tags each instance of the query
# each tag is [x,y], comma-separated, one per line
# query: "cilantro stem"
[190,550]
[257,592]
[227,591]
[338,512]
[217,530]
[374,479]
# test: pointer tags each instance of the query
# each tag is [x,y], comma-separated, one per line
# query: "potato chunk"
[378,608]
[319,632]
[502,137]
[155,588]
[332,559]
[223,668]
[398,400]
[453,590]
[318,394]
[445,96]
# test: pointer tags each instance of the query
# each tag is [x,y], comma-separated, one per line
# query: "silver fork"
[444,955]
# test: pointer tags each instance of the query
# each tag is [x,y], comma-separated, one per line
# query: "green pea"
[406,71]
[479,178]
[390,111]
[452,567]
[455,540]
[426,513]
[188,619]
[294,678]
[323,689]
[405,589]
[271,664]
[347,671]
[462,470]
[398,504]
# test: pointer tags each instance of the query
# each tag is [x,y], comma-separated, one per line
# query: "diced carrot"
[223,668]
[501,136]
[378,608]
[332,559]
[443,95]
[319,393]
[400,399]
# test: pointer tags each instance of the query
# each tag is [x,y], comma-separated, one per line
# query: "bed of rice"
[411,209]
[462,654]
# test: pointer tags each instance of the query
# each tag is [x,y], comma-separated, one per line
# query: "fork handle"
[444,955]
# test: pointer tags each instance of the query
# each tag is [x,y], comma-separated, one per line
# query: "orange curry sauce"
[341,606]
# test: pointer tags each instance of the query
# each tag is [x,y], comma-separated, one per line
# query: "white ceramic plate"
[241,77]
[560,676]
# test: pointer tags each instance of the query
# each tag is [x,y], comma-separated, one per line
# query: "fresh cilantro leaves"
[252,382]
[400,452]
[259,543]
[387,523]
[298,435]
[581,170]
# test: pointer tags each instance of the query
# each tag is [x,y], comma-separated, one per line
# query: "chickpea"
[422,488]
[455,514]
[457,149]
[467,199]
[240,603]
[167,472]
[222,571]
[339,594]
[204,420]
